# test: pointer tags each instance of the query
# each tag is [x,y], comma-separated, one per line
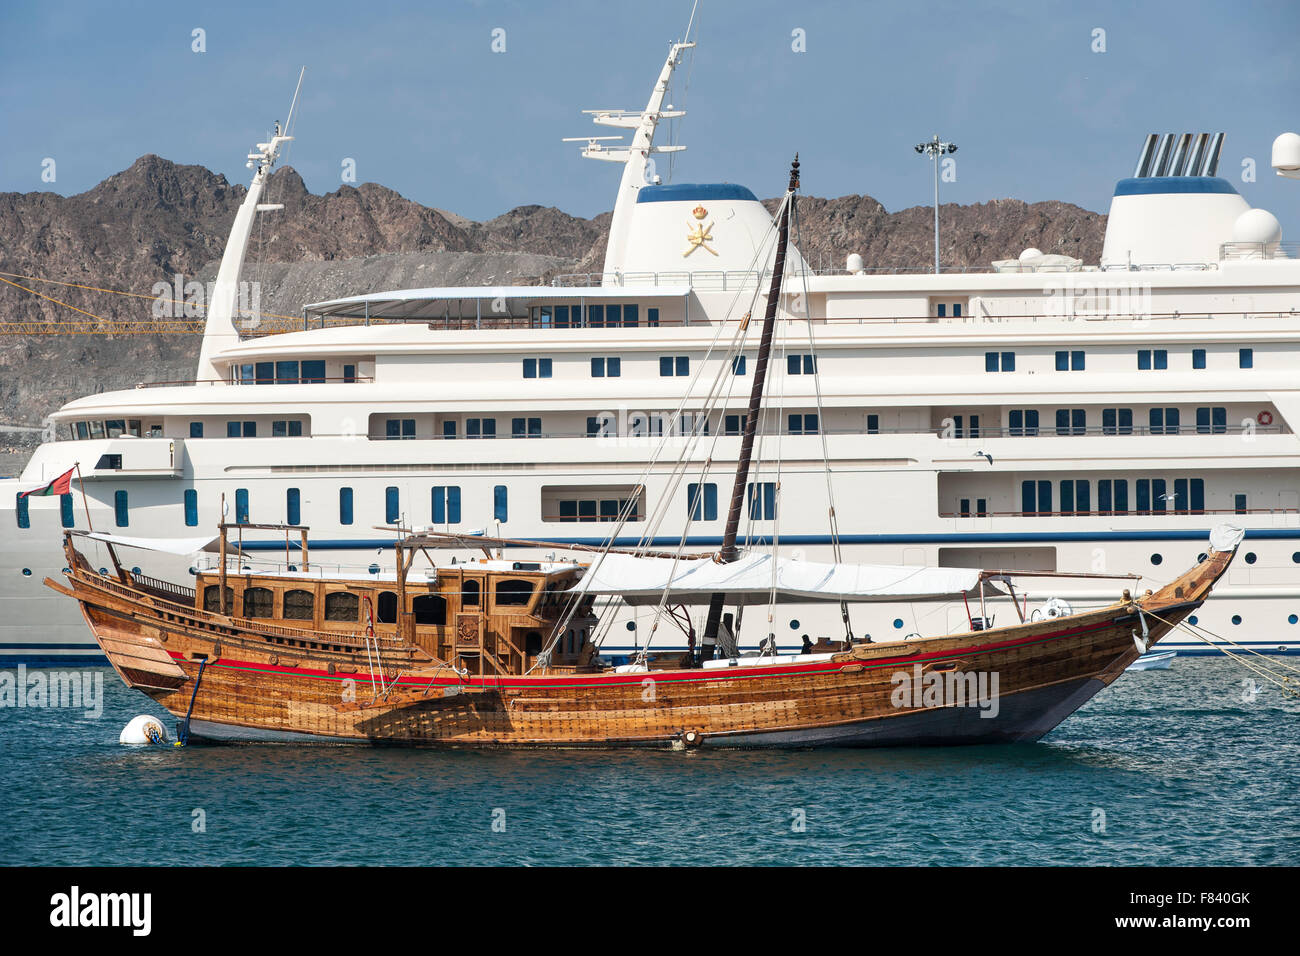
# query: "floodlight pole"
[935,163]
[934,149]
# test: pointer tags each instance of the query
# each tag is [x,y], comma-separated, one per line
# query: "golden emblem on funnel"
[699,236]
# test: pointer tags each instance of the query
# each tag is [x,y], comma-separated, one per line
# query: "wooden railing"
[164,589]
[255,627]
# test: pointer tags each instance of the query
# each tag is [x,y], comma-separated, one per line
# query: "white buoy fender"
[145,729]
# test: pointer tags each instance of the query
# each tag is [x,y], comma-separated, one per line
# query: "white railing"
[1259,250]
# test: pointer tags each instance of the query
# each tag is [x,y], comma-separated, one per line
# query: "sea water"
[1196,765]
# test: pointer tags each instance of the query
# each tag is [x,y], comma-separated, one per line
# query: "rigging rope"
[1268,674]
[659,512]
[757,509]
[737,347]
[833,518]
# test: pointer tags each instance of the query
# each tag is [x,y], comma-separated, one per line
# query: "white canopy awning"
[468,300]
[180,546]
[749,580]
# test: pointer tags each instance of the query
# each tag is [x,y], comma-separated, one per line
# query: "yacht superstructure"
[1043,415]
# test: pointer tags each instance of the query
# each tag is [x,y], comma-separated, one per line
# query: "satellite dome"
[854,264]
[1031,253]
[1256,225]
[1286,151]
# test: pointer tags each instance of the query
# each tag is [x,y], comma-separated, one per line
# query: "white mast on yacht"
[635,156]
[219,331]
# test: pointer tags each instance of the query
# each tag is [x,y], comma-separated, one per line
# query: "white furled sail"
[749,580]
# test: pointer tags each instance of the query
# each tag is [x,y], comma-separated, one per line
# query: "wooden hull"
[1035,675]
[1026,718]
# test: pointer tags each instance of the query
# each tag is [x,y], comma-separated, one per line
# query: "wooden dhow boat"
[503,653]
[461,657]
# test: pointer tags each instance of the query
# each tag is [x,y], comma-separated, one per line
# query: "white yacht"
[1046,414]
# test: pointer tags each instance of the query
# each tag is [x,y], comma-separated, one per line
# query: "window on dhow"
[212,598]
[430,609]
[259,602]
[299,605]
[513,593]
[341,606]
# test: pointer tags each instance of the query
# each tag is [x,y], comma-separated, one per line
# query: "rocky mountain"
[971,236]
[157,218]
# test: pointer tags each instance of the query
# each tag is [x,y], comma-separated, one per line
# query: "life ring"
[1264,418]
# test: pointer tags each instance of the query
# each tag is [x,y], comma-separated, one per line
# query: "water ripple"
[1173,768]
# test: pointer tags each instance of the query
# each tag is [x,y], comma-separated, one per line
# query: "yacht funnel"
[1177,213]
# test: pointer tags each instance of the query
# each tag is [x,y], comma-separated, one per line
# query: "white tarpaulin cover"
[749,580]
[1225,537]
[181,546]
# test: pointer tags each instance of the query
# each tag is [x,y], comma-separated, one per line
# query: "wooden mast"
[729,550]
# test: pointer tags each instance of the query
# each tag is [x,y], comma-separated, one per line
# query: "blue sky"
[416,96]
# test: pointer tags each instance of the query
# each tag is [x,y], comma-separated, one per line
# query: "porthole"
[104,571]
[898,623]
[1250,557]
[1295,557]
[631,625]
[794,624]
[1201,557]
[1236,619]
[374,569]
[1291,618]
[194,572]
[1192,620]
[1156,558]
[27,572]
[135,570]
[67,570]
[293,567]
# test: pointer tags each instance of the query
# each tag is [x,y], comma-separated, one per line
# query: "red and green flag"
[61,485]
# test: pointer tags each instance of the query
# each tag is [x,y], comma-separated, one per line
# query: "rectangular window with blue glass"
[702,506]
